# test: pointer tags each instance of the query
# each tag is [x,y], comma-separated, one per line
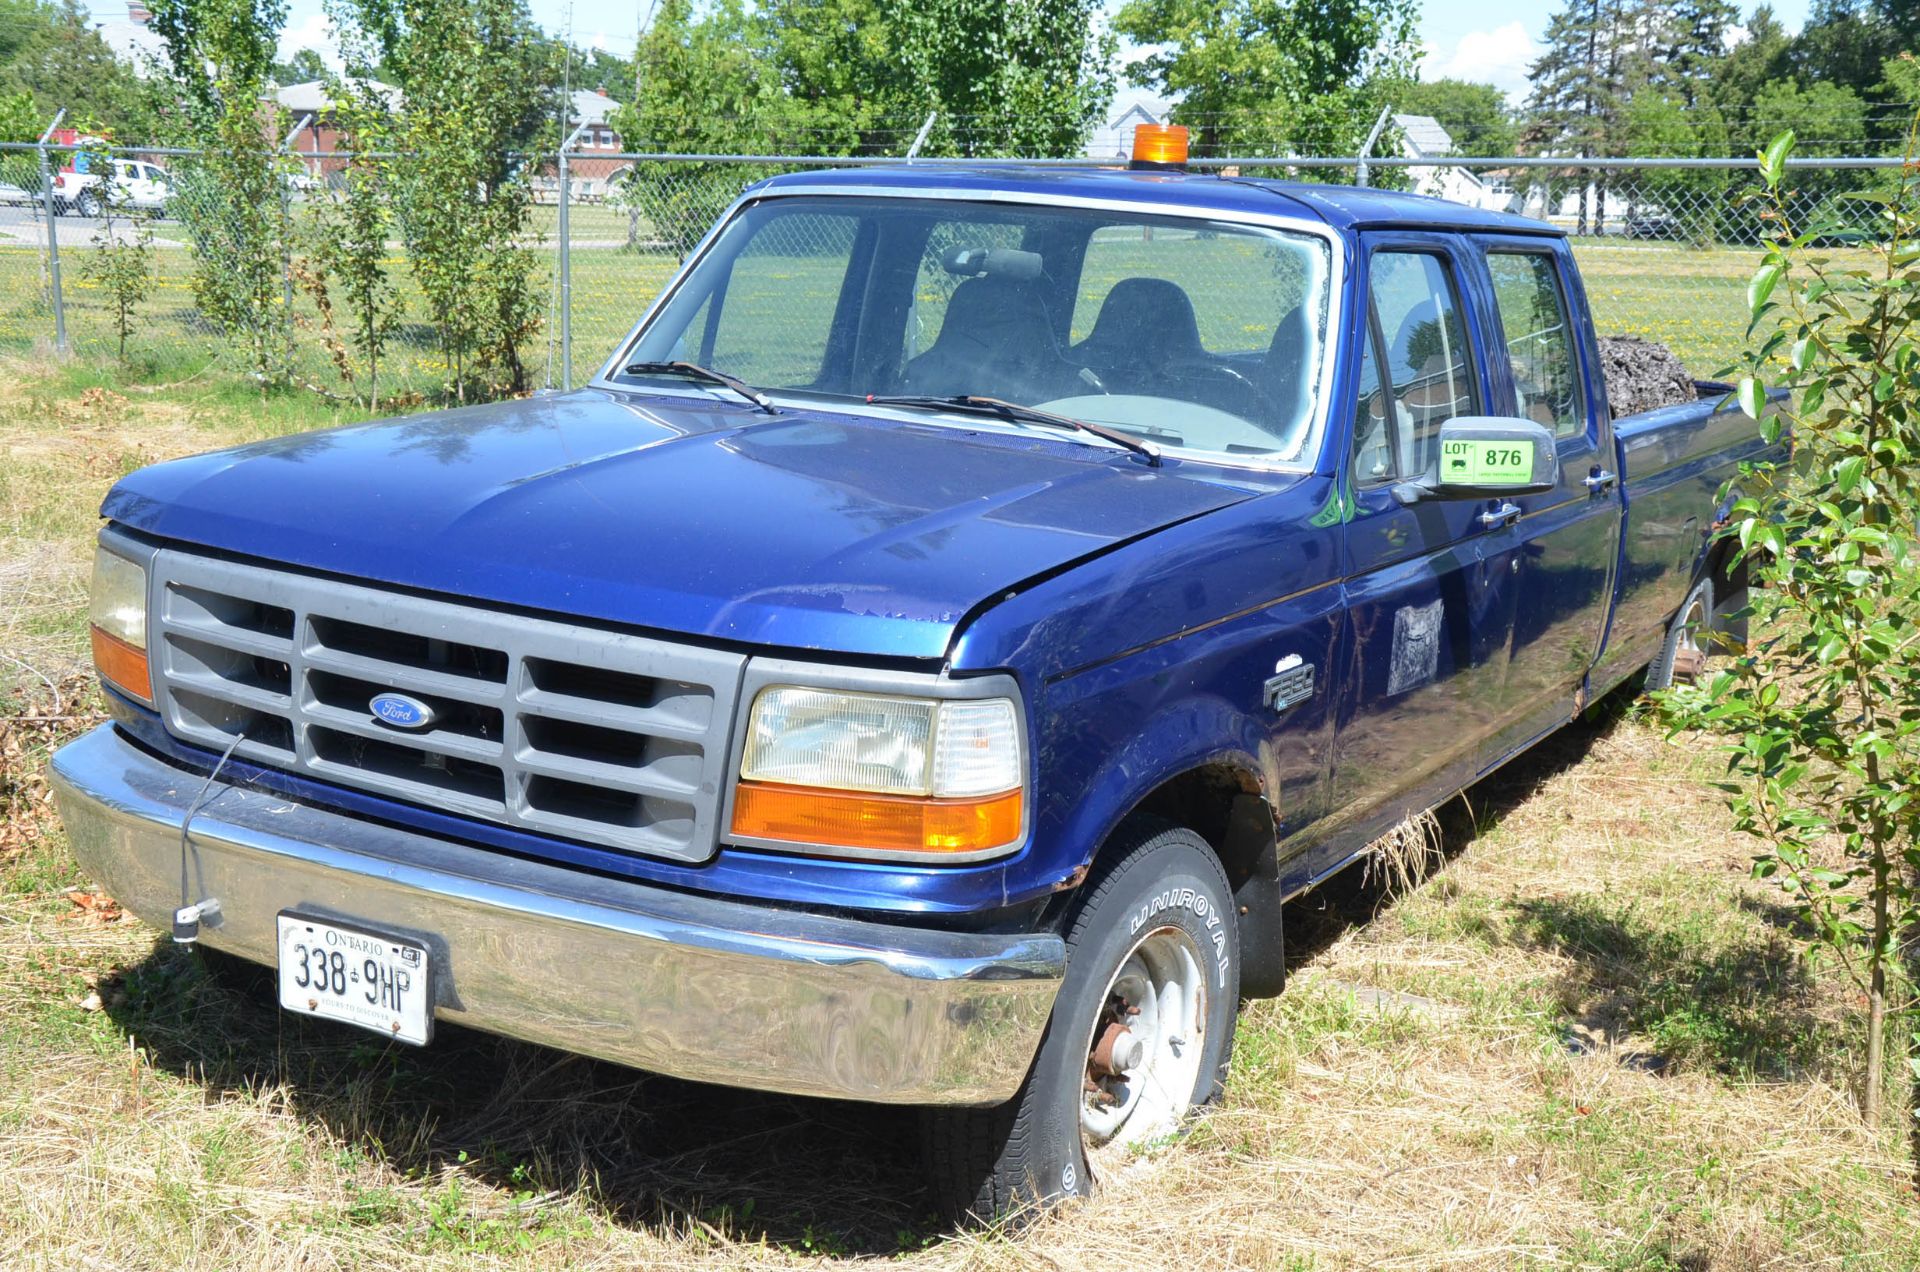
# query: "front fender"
[1180,737]
[1111,735]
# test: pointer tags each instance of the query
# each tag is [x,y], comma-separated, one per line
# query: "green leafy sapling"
[1821,712]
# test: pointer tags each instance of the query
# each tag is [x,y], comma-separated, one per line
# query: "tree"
[1829,118]
[121,263]
[1756,61]
[347,242]
[1476,116]
[303,67]
[1844,43]
[48,52]
[1821,714]
[859,76]
[1691,43]
[840,62]
[1274,76]
[20,119]
[1026,78]
[233,198]
[1660,124]
[461,200]
[707,84]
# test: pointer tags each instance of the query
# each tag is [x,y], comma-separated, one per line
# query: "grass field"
[1583,1040]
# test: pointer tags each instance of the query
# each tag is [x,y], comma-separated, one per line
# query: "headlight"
[118,615]
[878,774]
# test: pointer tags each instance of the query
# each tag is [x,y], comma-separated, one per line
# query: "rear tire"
[1153,973]
[88,204]
[1689,639]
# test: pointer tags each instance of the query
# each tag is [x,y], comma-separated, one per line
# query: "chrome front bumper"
[701,988]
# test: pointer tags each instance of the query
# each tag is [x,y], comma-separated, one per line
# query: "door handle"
[1600,480]
[1505,515]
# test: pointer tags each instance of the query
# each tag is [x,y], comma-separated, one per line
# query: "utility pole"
[639,38]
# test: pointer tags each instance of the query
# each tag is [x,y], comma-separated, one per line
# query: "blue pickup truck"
[921,663]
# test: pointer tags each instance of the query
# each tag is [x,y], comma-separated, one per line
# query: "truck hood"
[808,530]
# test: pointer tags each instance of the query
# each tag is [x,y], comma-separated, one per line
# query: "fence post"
[1366,151]
[53,238]
[566,278]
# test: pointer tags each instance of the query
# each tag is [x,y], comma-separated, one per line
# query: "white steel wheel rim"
[1692,623]
[1158,995]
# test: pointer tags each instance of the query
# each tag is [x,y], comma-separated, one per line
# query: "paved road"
[24,226]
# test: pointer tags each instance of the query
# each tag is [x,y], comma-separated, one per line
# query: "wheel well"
[1224,804]
[1204,801]
[1726,565]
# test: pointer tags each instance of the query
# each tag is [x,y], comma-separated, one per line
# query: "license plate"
[339,971]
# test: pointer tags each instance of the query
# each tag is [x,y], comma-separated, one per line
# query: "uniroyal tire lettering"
[1202,907]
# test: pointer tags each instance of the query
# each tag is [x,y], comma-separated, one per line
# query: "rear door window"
[1538,340]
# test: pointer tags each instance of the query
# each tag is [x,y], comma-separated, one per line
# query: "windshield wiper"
[694,371]
[1022,414]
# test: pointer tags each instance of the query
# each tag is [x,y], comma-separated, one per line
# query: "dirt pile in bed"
[1642,375]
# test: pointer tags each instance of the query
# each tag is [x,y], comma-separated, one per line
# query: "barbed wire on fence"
[1665,245]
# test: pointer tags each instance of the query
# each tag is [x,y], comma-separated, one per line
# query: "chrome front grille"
[573,731]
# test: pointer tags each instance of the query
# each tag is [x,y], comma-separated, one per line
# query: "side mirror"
[1486,456]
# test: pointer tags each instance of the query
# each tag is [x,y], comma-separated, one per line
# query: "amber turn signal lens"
[122,666]
[883,823]
[1162,145]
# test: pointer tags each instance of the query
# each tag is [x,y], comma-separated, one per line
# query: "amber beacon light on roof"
[1159,147]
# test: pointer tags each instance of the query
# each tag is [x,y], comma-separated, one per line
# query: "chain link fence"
[1665,246]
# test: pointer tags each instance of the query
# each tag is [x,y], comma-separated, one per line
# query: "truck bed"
[1673,462]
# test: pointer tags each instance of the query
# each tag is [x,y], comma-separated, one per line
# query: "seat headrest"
[995,311]
[1146,317]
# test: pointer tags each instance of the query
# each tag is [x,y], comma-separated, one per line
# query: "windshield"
[1197,336]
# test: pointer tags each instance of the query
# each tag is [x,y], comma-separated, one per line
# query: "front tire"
[1140,1035]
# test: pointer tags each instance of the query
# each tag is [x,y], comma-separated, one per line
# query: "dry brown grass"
[1578,1038]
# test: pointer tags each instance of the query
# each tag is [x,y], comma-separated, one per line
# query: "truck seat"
[1145,327]
[997,339]
[1286,378]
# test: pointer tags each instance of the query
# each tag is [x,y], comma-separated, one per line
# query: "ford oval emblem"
[402,711]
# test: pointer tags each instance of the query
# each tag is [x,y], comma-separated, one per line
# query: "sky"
[1491,41]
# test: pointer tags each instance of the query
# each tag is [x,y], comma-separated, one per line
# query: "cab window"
[1417,370]
[776,313]
[1538,340]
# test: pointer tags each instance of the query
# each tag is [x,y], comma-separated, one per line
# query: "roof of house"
[311,98]
[1115,137]
[137,45]
[590,106]
[1423,135]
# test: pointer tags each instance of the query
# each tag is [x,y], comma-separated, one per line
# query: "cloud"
[313,32]
[1499,57]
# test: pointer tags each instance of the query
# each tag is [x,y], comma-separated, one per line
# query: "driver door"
[1431,584]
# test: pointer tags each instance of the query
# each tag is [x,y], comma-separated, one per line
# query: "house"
[1114,138]
[594,160]
[313,128]
[1424,137]
[135,43]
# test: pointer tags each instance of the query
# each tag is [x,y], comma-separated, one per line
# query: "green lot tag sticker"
[1476,463]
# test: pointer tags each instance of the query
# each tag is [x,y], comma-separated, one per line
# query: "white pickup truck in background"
[137,186]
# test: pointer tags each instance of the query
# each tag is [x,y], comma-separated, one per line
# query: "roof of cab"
[1342,207]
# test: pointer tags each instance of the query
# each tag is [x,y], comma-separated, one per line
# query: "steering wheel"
[1249,394]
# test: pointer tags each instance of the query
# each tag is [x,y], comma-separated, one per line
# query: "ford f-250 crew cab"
[921,663]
